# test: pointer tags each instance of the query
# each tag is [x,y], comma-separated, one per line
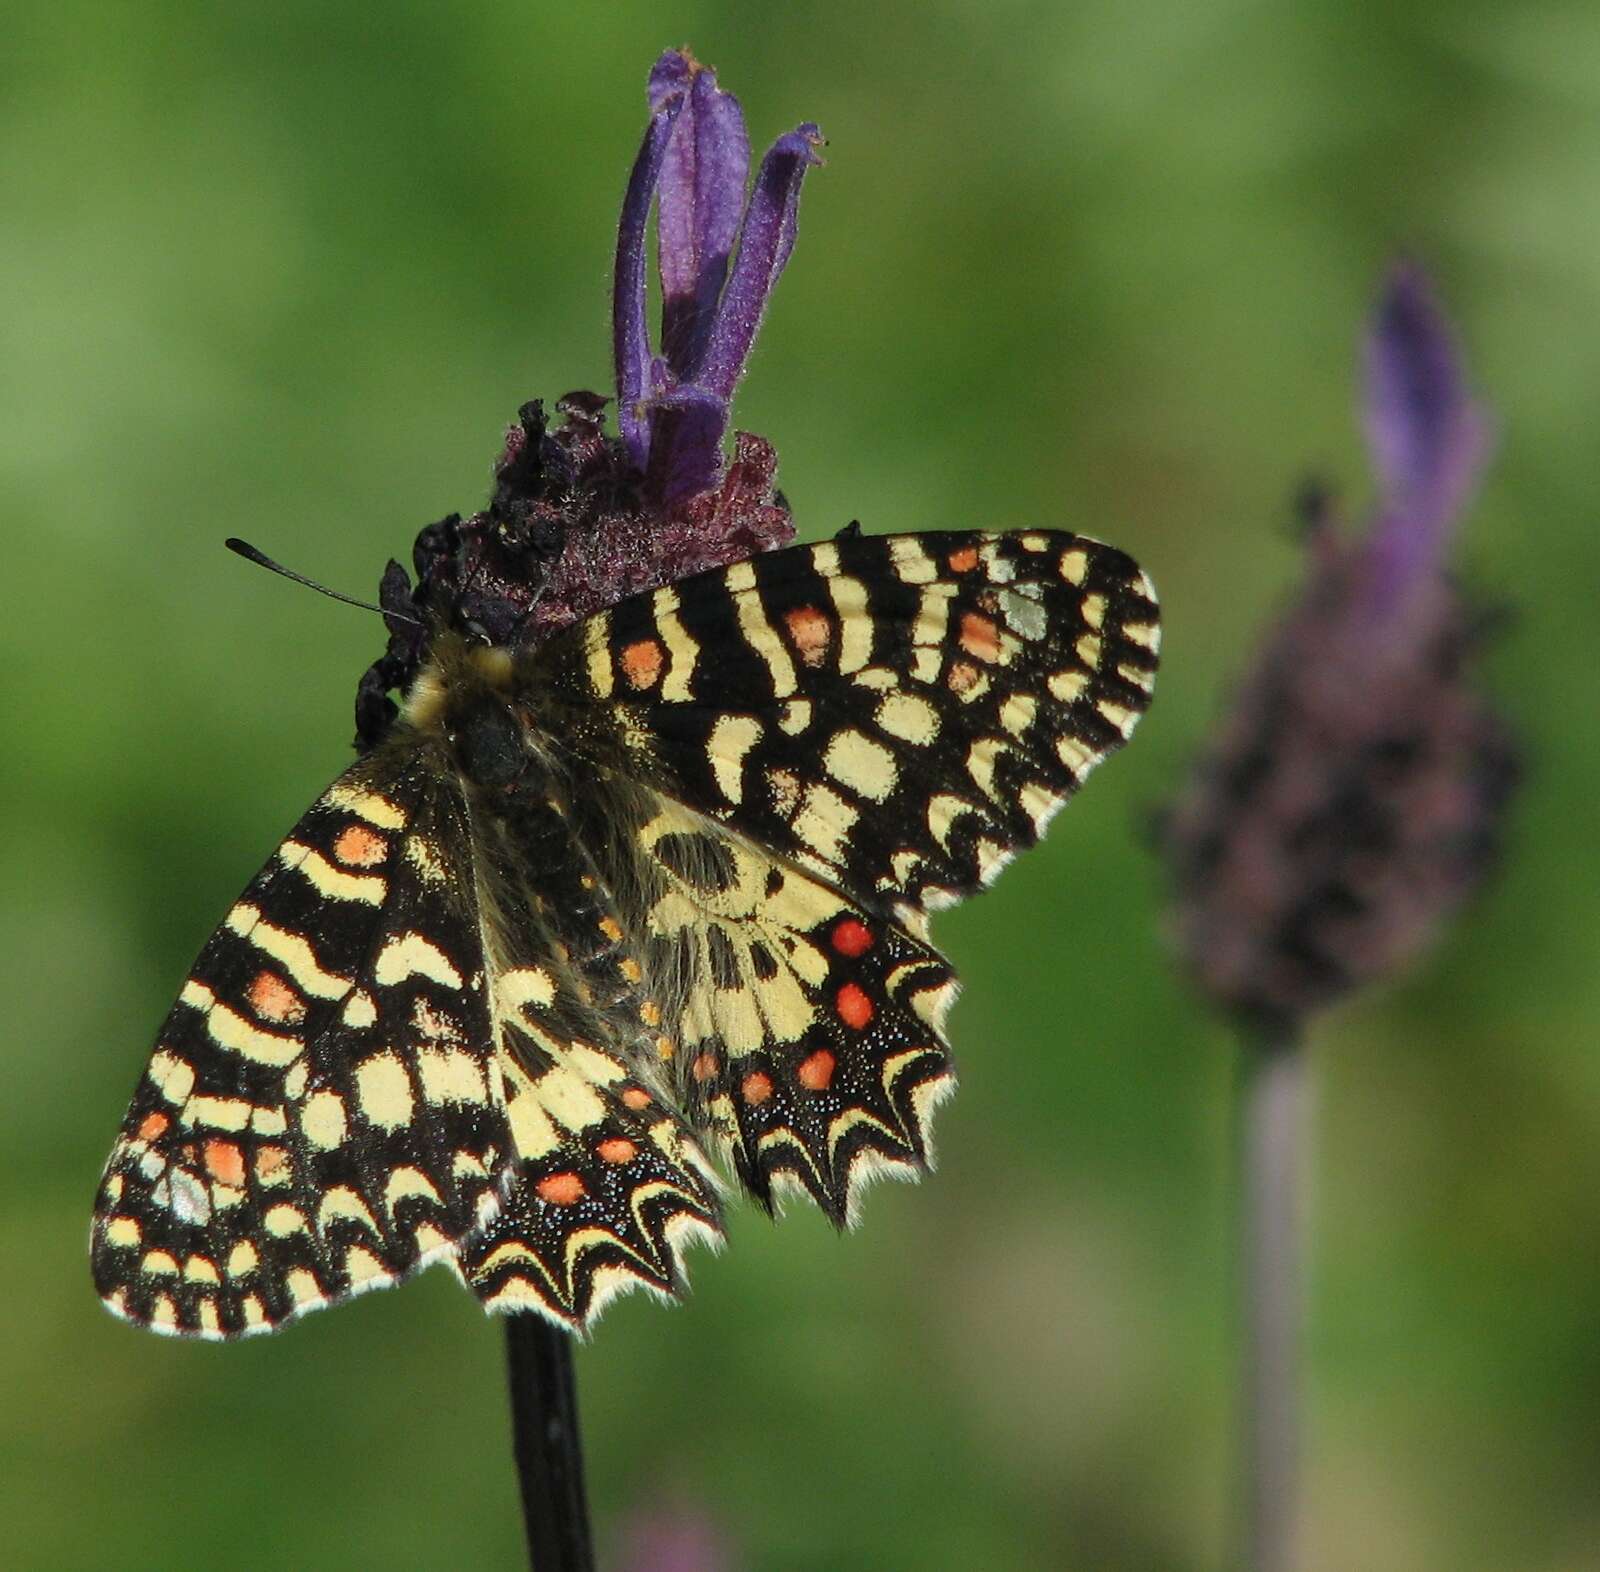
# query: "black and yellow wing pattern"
[654,892]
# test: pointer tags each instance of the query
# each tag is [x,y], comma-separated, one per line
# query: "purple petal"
[686,430]
[764,247]
[670,75]
[1428,436]
[702,198]
[630,331]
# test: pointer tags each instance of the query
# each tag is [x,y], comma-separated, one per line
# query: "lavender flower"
[695,157]
[676,1538]
[579,519]
[1354,795]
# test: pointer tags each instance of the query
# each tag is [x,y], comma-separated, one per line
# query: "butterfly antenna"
[244,549]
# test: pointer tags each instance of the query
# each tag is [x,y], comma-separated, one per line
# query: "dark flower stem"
[1273,1115]
[544,1425]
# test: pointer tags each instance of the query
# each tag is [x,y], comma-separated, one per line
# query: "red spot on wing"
[153,1125]
[636,1098]
[359,847]
[561,1189]
[704,1066]
[810,630]
[641,662]
[852,937]
[853,1005]
[816,1071]
[617,1150]
[756,1088]
[963,559]
[225,1163]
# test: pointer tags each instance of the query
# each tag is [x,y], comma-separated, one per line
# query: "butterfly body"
[596,911]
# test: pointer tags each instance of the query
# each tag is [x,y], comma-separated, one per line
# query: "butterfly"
[596,915]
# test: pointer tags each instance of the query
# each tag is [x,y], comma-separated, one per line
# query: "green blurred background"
[286,272]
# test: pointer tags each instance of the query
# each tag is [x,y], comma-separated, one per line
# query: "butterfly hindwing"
[808,1035]
[322,1112]
[606,1187]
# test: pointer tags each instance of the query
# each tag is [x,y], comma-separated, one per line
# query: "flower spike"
[578,519]
[693,164]
[1355,794]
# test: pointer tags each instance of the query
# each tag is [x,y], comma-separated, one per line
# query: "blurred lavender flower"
[579,519]
[675,1539]
[1355,793]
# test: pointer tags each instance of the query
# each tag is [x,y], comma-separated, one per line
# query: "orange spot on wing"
[641,662]
[561,1189]
[225,1163]
[274,1000]
[964,559]
[961,676]
[269,1159]
[810,630]
[853,1005]
[617,1150]
[153,1125]
[433,1025]
[816,1071]
[852,937]
[980,637]
[756,1088]
[358,847]
[704,1067]
[611,928]
[636,1098]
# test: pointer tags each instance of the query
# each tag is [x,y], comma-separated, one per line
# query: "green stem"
[1272,1117]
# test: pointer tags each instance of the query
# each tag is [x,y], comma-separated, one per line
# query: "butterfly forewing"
[322,1112]
[900,714]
